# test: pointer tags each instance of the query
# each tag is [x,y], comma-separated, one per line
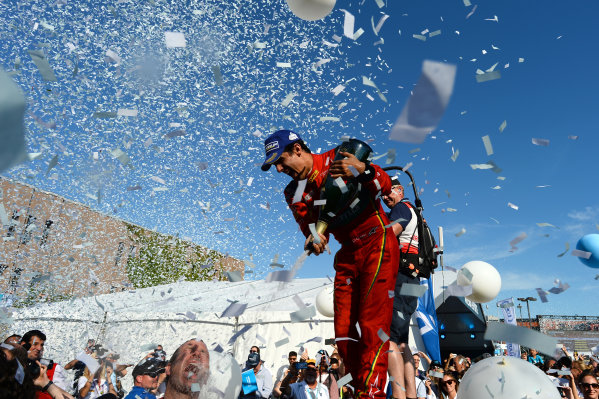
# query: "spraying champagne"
[339,193]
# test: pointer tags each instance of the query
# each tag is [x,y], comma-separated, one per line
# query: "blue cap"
[275,144]
[253,360]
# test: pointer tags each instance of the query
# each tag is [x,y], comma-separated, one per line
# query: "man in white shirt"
[309,388]
[33,341]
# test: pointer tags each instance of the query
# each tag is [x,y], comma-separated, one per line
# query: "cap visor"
[265,166]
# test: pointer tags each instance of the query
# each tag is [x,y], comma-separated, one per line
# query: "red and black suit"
[366,268]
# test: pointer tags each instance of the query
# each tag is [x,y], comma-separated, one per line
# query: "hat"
[275,144]
[253,359]
[395,182]
[150,366]
[313,361]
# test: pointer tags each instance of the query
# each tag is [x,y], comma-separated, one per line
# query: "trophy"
[339,196]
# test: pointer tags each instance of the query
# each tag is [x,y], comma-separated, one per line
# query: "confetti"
[40,61]
[12,133]
[472,11]
[566,251]
[382,335]
[303,314]
[461,232]
[348,25]
[426,105]
[235,309]
[581,254]
[344,380]
[502,126]
[518,240]
[541,142]
[512,206]
[488,145]
[416,290]
[487,76]
[524,336]
[174,39]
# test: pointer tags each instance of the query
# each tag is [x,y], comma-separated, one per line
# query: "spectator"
[18,381]
[33,341]
[309,388]
[190,364]
[325,378]
[419,378]
[145,379]
[291,378]
[432,381]
[263,377]
[524,355]
[13,339]
[79,368]
[449,385]
[535,358]
[461,365]
[15,380]
[93,387]
[589,385]
[255,349]
[401,366]
[282,373]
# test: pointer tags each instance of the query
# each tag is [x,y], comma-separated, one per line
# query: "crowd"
[97,373]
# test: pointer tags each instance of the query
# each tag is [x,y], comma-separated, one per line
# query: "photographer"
[27,382]
[33,342]
[291,377]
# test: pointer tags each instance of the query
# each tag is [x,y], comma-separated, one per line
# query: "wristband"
[44,389]
[368,175]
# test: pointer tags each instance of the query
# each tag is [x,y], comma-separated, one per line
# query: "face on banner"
[509,317]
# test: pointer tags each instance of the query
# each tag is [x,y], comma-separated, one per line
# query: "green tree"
[163,259]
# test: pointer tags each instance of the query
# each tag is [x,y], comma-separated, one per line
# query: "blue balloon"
[590,243]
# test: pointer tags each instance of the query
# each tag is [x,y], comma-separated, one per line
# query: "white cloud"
[589,213]
[523,281]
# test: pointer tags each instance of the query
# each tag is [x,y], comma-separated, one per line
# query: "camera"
[97,349]
[33,368]
[301,365]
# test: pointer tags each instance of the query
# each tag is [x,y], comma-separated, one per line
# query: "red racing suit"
[366,267]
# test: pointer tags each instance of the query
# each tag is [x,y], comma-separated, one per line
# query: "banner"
[426,316]
[509,317]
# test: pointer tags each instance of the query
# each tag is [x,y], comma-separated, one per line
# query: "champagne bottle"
[339,197]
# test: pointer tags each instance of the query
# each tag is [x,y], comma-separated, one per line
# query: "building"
[53,248]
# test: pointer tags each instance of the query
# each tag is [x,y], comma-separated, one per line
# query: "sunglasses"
[586,385]
[448,382]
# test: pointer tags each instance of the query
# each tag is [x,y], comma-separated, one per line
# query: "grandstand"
[577,333]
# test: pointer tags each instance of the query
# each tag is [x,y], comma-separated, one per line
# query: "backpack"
[427,246]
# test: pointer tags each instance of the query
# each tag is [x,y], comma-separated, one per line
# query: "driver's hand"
[317,248]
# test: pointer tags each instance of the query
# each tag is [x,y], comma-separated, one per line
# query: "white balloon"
[311,10]
[486,281]
[504,377]
[325,303]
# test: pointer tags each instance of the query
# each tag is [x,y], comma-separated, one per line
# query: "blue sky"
[206,184]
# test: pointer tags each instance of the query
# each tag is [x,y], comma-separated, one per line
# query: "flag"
[509,317]
[426,316]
